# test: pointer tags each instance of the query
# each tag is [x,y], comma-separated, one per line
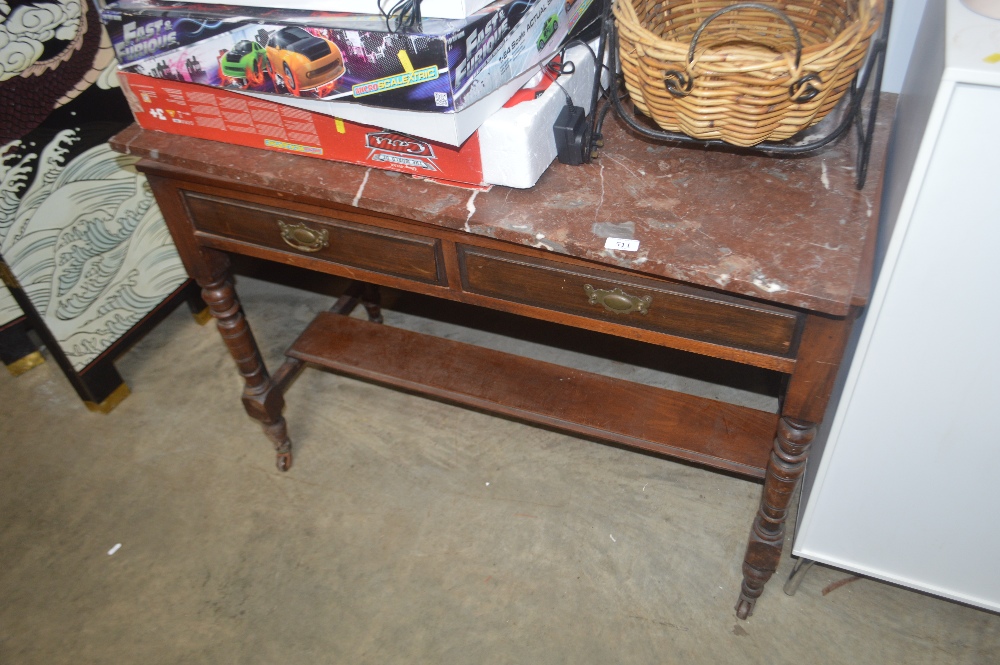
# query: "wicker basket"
[743,73]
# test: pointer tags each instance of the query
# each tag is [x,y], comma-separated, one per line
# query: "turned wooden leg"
[369,295]
[346,303]
[261,397]
[791,448]
[371,299]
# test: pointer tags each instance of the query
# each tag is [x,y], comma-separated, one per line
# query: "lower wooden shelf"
[714,433]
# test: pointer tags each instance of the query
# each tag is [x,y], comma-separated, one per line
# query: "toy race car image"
[244,63]
[549,29]
[298,60]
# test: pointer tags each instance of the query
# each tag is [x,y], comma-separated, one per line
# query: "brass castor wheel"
[284,461]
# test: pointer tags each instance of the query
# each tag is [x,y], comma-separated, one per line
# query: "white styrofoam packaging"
[517,144]
[428,8]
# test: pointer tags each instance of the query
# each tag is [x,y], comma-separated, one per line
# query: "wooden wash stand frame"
[745,258]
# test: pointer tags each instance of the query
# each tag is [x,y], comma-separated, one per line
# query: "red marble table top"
[792,231]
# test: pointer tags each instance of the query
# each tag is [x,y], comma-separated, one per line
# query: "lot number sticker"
[623,244]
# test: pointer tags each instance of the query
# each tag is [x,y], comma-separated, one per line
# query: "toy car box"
[513,147]
[337,57]
[428,8]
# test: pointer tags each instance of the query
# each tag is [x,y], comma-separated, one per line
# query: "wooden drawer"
[335,240]
[632,301]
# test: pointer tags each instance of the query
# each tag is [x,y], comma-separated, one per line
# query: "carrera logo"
[398,143]
[392,148]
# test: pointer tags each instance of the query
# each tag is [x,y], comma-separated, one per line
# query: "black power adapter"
[572,132]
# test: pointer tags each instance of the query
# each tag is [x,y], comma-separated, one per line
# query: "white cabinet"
[908,485]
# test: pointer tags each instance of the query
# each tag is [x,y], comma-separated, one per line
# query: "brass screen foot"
[111,401]
[28,362]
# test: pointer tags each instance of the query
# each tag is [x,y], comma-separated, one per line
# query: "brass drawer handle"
[303,238]
[618,301]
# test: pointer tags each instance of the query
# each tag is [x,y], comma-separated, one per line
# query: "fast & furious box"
[444,67]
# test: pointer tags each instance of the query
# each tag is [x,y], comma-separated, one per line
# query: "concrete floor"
[409,531]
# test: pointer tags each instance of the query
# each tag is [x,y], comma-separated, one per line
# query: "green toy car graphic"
[549,29]
[245,61]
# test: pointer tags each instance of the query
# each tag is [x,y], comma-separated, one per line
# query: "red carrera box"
[220,115]
[512,148]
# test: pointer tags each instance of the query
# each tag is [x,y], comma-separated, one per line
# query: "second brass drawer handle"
[618,301]
[303,238]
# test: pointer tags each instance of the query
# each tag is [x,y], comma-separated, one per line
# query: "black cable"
[568,66]
[593,56]
[554,70]
[407,14]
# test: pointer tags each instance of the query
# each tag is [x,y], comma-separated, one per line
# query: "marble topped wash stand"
[744,258]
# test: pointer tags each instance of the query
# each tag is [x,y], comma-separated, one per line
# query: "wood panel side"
[821,350]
